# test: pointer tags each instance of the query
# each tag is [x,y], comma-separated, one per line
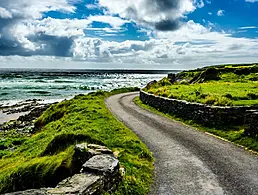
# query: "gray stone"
[101,164]
[104,151]
[95,146]
[80,184]
[200,113]
[81,147]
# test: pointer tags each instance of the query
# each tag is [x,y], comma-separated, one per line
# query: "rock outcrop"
[100,173]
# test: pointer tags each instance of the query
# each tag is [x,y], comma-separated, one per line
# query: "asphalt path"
[187,161]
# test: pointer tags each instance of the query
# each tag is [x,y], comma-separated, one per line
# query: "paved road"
[188,161]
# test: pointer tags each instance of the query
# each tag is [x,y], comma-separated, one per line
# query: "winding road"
[187,161]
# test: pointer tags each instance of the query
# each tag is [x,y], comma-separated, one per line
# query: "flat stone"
[94,152]
[79,184]
[104,151]
[101,164]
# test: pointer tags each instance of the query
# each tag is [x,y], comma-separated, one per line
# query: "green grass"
[233,134]
[213,93]
[46,157]
[227,85]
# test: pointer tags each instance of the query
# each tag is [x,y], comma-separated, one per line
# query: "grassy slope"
[238,85]
[232,134]
[47,155]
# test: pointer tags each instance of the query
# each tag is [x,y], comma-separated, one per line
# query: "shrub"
[210,100]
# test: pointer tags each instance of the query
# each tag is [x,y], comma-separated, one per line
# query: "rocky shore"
[22,115]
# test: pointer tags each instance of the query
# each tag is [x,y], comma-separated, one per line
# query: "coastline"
[13,109]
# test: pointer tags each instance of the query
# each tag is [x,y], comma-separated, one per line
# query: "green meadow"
[45,158]
[229,85]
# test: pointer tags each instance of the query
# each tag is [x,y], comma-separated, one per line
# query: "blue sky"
[146,34]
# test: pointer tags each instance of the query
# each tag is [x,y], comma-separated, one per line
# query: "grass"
[233,134]
[212,93]
[46,157]
[233,86]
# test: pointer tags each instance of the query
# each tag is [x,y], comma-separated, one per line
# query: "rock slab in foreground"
[101,164]
[99,174]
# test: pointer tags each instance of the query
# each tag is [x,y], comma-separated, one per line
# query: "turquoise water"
[18,85]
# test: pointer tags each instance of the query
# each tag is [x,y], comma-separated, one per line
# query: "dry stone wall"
[204,114]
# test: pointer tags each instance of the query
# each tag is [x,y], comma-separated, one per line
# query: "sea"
[55,85]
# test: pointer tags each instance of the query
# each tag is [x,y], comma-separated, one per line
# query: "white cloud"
[210,13]
[247,27]
[220,13]
[199,3]
[251,1]
[92,6]
[159,14]
[4,13]
[34,8]
[115,22]
[192,45]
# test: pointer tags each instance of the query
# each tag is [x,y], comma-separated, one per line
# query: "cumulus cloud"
[164,15]
[182,47]
[20,35]
[24,32]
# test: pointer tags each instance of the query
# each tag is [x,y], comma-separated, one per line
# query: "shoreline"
[13,109]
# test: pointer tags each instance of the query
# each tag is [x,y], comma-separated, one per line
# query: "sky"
[127,34]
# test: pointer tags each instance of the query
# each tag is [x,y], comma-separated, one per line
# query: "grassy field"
[46,157]
[224,86]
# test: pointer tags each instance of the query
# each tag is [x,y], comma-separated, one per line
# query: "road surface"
[187,161]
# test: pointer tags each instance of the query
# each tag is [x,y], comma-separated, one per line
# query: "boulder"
[80,184]
[99,174]
[101,164]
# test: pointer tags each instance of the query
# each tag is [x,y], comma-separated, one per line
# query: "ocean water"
[51,85]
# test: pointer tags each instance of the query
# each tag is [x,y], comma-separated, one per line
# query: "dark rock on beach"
[25,123]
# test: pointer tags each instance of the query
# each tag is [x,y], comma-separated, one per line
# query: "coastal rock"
[25,123]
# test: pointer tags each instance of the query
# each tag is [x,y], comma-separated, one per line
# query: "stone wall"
[200,113]
[251,123]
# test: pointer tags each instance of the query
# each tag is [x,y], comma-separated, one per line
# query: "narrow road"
[187,161]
